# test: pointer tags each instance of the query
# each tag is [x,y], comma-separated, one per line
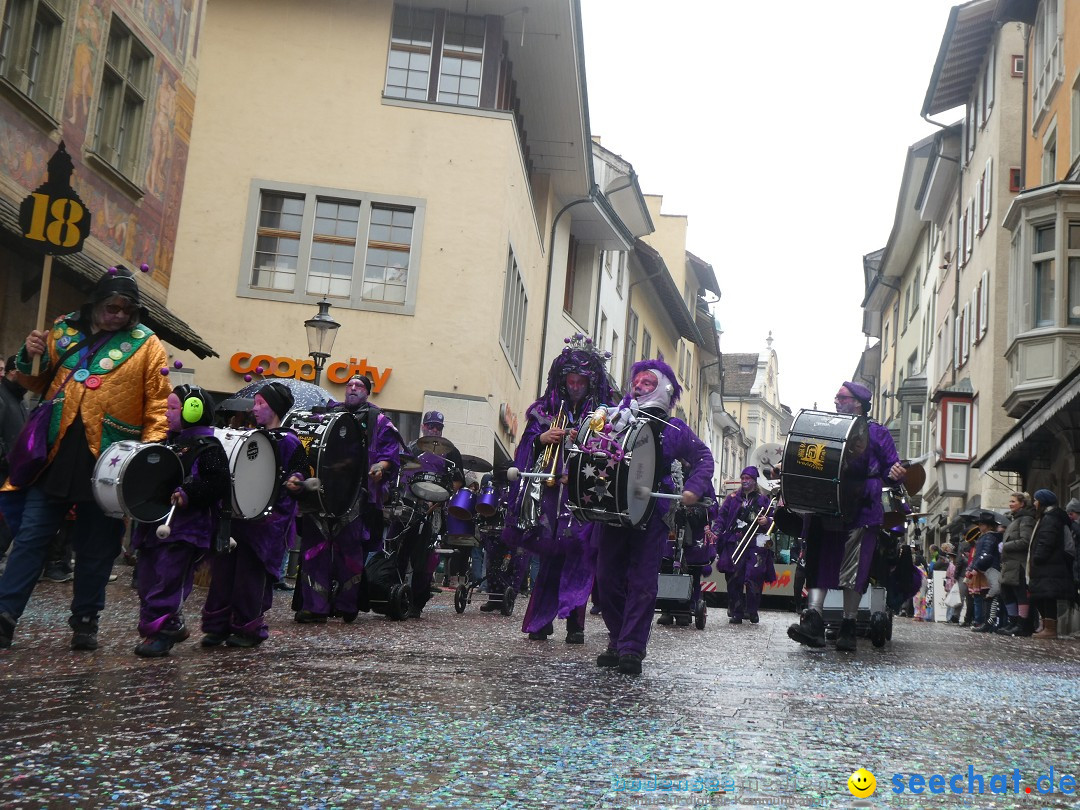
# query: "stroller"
[501,569]
[383,589]
[689,558]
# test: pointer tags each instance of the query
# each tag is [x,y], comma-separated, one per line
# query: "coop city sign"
[302,368]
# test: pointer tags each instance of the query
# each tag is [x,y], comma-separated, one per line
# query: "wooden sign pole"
[43,303]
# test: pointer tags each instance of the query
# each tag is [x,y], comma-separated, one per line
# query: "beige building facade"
[427,172]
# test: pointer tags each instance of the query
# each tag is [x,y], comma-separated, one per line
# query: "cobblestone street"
[463,711]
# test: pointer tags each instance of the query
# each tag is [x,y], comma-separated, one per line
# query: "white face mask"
[660,397]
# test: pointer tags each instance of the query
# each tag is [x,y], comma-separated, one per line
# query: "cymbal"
[434,444]
[476,464]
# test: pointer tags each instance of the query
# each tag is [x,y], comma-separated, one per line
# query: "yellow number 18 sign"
[53,218]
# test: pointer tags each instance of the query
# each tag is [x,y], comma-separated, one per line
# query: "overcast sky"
[780,129]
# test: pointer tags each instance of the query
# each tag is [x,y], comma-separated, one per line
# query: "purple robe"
[563,543]
[825,548]
[165,567]
[334,549]
[241,583]
[629,558]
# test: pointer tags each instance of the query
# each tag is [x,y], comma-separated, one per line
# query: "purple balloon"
[144,267]
[164,372]
[178,364]
[247,378]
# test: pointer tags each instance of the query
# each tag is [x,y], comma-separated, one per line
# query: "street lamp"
[321,331]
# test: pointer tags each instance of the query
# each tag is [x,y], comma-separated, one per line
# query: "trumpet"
[545,472]
[751,531]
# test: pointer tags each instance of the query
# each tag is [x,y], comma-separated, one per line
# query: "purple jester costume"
[538,519]
[165,567]
[333,549]
[840,551]
[747,564]
[241,584]
[628,559]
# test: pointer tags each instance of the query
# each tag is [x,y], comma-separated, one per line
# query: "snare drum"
[431,480]
[136,480]
[823,454]
[253,468]
[611,475]
[337,456]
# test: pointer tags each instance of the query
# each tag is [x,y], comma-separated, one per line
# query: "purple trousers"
[165,574]
[626,576]
[841,558]
[328,560]
[241,591]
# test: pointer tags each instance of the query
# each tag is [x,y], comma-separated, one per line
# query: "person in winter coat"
[987,561]
[1049,568]
[1014,553]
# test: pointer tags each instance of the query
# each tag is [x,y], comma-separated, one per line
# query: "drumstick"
[164,530]
[643,492]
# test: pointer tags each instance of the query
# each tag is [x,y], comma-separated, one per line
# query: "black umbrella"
[306,395]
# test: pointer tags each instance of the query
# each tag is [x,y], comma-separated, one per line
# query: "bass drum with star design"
[610,476]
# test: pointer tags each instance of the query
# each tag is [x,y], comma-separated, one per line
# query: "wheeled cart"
[873,621]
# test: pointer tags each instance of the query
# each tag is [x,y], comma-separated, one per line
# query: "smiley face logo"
[862,783]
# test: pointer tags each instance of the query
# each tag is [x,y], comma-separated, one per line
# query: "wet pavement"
[463,711]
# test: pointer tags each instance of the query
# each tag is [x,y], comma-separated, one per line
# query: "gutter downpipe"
[541,378]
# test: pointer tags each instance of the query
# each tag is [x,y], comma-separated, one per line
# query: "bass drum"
[610,476]
[337,456]
[253,468]
[822,457]
[136,480]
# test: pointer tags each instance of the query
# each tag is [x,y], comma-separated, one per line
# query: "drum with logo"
[136,480]
[822,457]
[337,456]
[253,468]
[612,474]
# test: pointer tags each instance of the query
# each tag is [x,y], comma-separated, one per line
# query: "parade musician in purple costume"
[333,550]
[165,567]
[841,552]
[417,535]
[576,385]
[242,582]
[629,558]
[746,576]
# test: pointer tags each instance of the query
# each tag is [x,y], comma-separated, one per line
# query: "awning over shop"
[1003,454]
[85,272]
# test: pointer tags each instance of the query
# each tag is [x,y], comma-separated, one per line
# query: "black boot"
[85,635]
[990,625]
[810,630]
[845,641]
[1011,628]
[1026,627]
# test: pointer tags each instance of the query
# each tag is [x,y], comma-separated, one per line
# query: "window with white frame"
[1047,63]
[631,339]
[1073,258]
[977,207]
[1074,119]
[915,292]
[945,346]
[1042,275]
[304,243]
[514,315]
[601,337]
[1049,157]
[646,344]
[907,311]
[30,36]
[984,304]
[987,193]
[916,424]
[956,427]
[440,56]
[682,364]
[885,340]
[620,274]
[913,364]
[122,100]
[986,87]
